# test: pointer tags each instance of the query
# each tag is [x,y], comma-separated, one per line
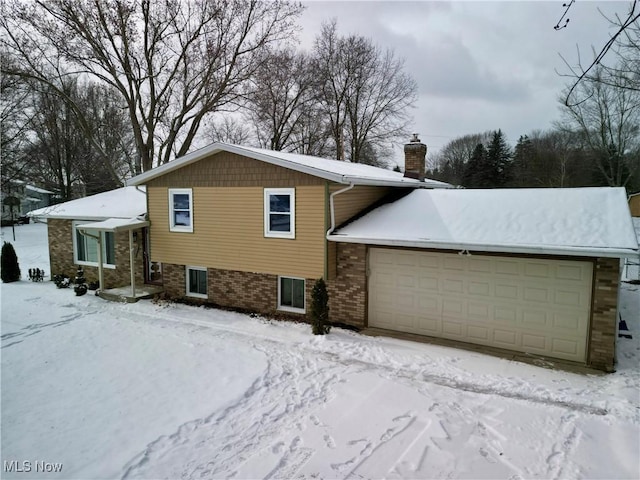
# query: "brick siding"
[348,291]
[602,344]
[60,233]
[256,292]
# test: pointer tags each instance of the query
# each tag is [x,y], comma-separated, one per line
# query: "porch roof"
[116,224]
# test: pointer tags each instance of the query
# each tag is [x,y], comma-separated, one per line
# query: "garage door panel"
[478,311]
[507,267]
[534,318]
[534,342]
[564,346]
[478,333]
[566,320]
[451,329]
[536,269]
[479,288]
[480,265]
[524,304]
[505,338]
[505,313]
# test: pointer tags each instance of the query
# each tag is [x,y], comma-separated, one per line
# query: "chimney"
[415,154]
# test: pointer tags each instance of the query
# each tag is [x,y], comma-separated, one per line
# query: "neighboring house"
[75,229]
[534,271]
[30,196]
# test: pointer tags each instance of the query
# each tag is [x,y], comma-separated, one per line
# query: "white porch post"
[100,273]
[132,265]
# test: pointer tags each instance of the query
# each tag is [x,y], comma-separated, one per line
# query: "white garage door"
[525,304]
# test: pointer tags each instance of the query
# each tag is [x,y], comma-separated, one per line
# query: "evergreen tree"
[522,160]
[499,165]
[320,308]
[10,267]
[475,175]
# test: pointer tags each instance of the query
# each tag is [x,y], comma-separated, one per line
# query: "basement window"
[280,212]
[180,210]
[196,282]
[291,294]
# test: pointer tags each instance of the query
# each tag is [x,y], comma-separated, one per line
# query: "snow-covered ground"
[170,391]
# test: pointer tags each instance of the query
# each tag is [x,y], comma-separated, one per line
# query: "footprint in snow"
[329,441]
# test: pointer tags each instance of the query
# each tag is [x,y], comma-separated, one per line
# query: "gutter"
[532,249]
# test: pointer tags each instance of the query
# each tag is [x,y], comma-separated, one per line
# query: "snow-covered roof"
[576,221]
[125,202]
[333,170]
[116,224]
[37,189]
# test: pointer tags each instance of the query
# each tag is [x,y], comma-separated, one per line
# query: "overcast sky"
[479,65]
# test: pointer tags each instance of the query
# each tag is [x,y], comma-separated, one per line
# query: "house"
[534,271]
[29,196]
[107,228]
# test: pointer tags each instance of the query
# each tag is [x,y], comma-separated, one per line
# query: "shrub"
[320,308]
[80,282]
[10,267]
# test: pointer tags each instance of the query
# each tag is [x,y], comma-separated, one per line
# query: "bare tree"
[330,66]
[625,45]
[173,63]
[229,129]
[57,147]
[364,92]
[14,125]
[280,92]
[608,121]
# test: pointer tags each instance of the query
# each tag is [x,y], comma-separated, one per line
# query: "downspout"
[333,224]
[98,239]
[331,207]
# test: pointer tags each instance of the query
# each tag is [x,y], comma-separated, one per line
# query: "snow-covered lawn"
[170,391]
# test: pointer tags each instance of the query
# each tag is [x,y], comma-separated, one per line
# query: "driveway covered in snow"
[170,391]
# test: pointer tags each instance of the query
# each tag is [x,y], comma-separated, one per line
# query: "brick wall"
[602,343]
[257,292]
[348,292]
[60,233]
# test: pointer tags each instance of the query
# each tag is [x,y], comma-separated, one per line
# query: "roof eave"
[316,172]
[524,249]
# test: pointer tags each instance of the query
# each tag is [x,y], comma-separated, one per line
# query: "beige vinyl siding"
[228,232]
[350,203]
[634,205]
[347,205]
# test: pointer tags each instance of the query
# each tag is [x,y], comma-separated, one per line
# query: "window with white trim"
[280,212]
[180,210]
[85,248]
[291,294]
[196,282]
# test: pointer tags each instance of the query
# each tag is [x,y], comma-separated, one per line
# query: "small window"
[279,212]
[291,294]
[85,248]
[180,210]
[197,282]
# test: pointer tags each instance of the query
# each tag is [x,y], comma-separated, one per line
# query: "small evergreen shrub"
[80,283]
[61,280]
[320,308]
[10,267]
